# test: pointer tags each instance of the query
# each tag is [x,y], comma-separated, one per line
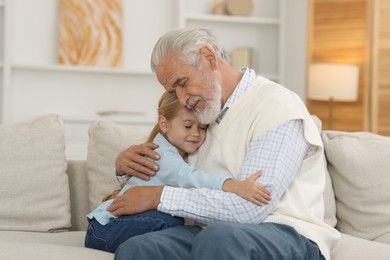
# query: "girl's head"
[179,125]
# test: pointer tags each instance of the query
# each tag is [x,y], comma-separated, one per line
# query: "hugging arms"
[277,158]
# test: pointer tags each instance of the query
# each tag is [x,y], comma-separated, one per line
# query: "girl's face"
[184,131]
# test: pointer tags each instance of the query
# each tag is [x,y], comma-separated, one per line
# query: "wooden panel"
[338,33]
[381,68]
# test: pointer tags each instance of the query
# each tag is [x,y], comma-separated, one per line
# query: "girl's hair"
[168,107]
[186,43]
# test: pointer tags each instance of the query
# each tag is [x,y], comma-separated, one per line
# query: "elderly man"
[254,124]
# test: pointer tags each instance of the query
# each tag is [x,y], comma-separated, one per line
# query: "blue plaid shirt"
[267,152]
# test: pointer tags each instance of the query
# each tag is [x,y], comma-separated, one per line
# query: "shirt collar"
[246,80]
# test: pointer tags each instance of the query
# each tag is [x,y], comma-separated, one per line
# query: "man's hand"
[136,200]
[133,162]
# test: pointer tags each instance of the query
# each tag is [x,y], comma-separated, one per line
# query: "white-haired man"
[254,124]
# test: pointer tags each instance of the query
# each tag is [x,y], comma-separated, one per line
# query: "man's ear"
[163,124]
[209,57]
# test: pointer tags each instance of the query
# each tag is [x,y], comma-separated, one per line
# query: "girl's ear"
[163,124]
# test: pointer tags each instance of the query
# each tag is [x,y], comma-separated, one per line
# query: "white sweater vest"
[261,107]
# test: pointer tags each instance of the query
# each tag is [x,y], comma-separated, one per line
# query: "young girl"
[178,133]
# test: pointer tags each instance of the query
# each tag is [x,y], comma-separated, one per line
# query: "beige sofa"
[45,198]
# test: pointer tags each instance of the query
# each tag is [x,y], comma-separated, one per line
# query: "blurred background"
[88,60]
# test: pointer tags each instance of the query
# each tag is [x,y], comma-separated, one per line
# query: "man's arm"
[135,200]
[279,152]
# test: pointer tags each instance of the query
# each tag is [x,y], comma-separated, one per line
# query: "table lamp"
[333,82]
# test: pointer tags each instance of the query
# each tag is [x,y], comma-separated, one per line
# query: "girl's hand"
[249,189]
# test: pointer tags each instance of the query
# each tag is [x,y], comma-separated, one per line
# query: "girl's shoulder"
[165,149]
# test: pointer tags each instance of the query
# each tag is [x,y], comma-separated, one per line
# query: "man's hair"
[186,43]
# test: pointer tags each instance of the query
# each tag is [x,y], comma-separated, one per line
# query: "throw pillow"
[329,201]
[359,167]
[34,184]
[106,141]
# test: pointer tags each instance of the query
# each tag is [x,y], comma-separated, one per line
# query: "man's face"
[196,89]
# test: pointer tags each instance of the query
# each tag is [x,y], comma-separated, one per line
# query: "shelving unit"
[2,43]
[33,84]
[81,69]
[231,19]
[262,31]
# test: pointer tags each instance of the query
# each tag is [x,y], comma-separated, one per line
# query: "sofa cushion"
[329,201]
[349,247]
[39,251]
[106,141]
[359,167]
[34,184]
[72,238]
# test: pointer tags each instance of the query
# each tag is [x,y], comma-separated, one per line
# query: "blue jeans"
[226,241]
[108,237]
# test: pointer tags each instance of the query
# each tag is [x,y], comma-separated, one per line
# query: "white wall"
[34,43]
[34,85]
[295,43]
[35,32]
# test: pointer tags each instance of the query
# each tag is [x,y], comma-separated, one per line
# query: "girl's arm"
[249,189]
[176,172]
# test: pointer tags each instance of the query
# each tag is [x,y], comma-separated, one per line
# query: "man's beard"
[212,105]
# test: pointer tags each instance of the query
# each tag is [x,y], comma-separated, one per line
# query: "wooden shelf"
[80,69]
[261,33]
[232,19]
[130,120]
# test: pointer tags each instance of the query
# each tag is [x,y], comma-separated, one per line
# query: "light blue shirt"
[174,171]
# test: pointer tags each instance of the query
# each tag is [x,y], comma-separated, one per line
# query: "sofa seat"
[350,247]
[21,250]
[63,192]
[72,238]
[39,245]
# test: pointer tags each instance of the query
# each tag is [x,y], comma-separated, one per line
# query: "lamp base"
[330,119]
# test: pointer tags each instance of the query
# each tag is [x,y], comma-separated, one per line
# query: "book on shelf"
[241,57]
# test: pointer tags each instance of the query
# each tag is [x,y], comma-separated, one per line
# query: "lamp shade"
[332,81]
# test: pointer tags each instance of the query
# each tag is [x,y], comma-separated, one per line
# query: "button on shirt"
[266,152]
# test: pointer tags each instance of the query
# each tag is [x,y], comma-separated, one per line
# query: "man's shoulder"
[264,91]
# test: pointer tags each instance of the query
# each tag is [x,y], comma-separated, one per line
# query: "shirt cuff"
[121,179]
[171,200]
